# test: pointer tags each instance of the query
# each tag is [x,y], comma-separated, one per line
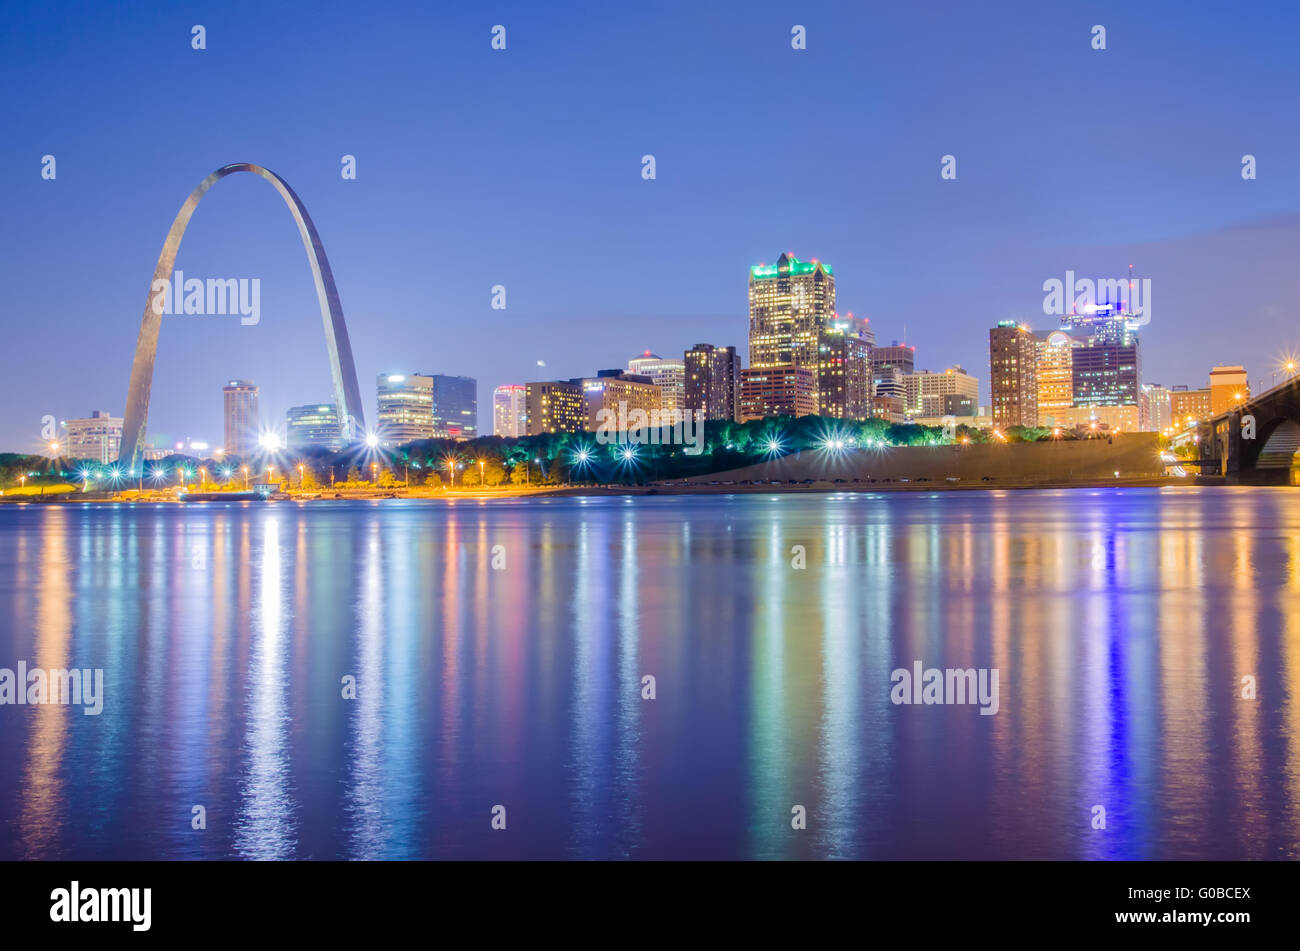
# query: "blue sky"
[522,168]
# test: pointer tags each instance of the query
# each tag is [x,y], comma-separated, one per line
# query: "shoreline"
[651,489]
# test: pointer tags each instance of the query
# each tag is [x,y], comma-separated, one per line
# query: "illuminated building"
[776,391]
[618,392]
[791,304]
[455,406]
[1186,406]
[1154,408]
[405,408]
[555,406]
[1013,363]
[1228,388]
[242,420]
[844,369]
[97,437]
[510,410]
[712,380]
[314,425]
[1055,373]
[925,393]
[897,354]
[668,375]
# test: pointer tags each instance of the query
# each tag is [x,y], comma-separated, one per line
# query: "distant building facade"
[405,408]
[313,426]
[1188,406]
[1155,409]
[555,406]
[776,391]
[844,380]
[667,374]
[455,406]
[925,392]
[97,437]
[1013,366]
[712,380]
[618,392]
[510,410]
[791,305]
[242,420]
[1228,388]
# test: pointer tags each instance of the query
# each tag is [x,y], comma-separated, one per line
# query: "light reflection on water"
[1121,621]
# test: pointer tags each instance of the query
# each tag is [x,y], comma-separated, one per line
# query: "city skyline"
[930,261]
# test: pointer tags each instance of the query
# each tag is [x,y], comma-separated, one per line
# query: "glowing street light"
[245,478]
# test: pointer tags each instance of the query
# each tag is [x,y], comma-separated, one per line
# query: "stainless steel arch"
[347,395]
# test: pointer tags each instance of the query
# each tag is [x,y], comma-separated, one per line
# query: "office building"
[455,406]
[924,392]
[405,408]
[776,391]
[1188,406]
[620,393]
[712,381]
[313,426]
[1055,373]
[98,437]
[791,304]
[844,380]
[510,410]
[555,406]
[1155,413]
[1013,366]
[242,421]
[669,375]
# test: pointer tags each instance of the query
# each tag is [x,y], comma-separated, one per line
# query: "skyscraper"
[791,305]
[405,408]
[1013,366]
[1055,350]
[844,369]
[242,422]
[510,410]
[313,426]
[455,406]
[712,380]
[555,406]
[1105,367]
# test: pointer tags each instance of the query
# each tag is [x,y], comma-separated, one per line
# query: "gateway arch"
[347,396]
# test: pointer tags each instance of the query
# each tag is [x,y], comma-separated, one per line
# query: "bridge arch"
[1278,443]
[347,395]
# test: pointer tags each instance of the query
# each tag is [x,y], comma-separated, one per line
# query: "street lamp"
[203,478]
[480,473]
[300,475]
[245,478]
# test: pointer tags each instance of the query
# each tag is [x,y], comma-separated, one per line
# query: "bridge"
[1256,441]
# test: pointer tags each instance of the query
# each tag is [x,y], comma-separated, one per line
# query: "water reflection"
[499,652]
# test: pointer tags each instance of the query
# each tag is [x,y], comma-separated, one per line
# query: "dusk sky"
[523,168]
